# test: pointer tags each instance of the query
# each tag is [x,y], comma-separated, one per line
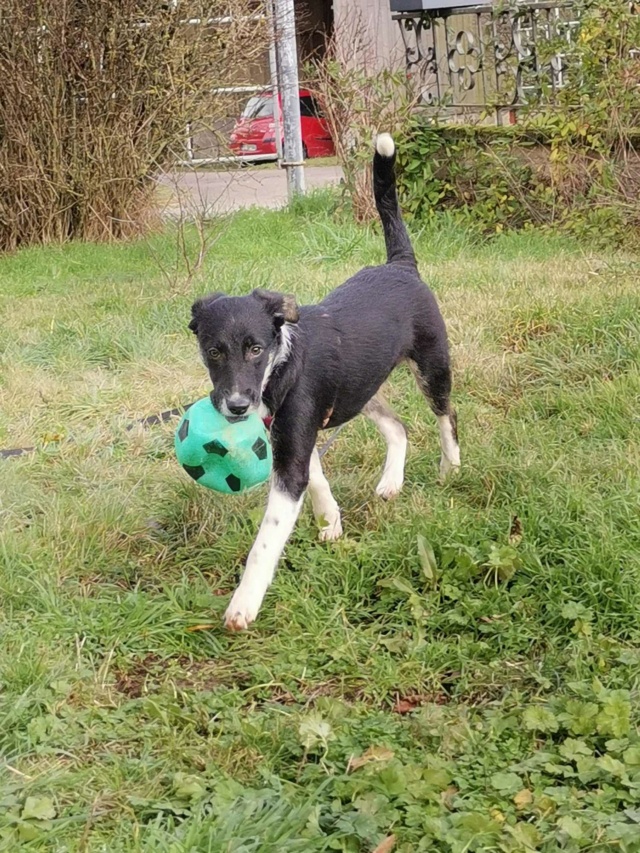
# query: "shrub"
[94,96]
[358,101]
[571,162]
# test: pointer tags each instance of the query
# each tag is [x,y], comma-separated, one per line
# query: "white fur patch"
[450,459]
[277,524]
[224,409]
[267,372]
[287,334]
[282,353]
[385,146]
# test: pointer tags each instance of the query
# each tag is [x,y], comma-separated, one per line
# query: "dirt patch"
[409,702]
[150,673]
[132,682]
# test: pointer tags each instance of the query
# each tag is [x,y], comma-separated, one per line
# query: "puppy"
[317,366]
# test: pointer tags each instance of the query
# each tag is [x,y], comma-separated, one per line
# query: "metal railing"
[190,159]
[486,61]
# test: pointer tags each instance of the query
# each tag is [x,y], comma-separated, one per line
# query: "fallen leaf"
[447,796]
[204,627]
[387,845]
[515,533]
[38,808]
[52,437]
[374,753]
[523,798]
[314,730]
[407,704]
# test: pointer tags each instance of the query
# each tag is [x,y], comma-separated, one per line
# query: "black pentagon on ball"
[260,448]
[215,447]
[195,471]
[183,432]
[234,483]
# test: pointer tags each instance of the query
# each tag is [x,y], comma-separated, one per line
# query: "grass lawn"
[483,697]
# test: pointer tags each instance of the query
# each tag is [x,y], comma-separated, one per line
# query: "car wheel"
[305,153]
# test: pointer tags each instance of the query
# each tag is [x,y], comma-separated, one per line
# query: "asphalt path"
[189,193]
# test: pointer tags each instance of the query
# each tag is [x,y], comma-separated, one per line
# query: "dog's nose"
[238,405]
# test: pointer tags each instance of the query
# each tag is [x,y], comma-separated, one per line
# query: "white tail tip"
[385,146]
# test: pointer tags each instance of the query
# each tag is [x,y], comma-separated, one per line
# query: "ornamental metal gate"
[478,60]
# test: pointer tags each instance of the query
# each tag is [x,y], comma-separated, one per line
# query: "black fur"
[342,350]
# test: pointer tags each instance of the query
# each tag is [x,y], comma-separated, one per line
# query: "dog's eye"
[256,350]
[214,353]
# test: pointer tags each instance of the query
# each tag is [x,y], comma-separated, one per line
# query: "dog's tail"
[399,249]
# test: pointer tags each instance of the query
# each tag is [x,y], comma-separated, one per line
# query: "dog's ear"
[283,307]
[197,308]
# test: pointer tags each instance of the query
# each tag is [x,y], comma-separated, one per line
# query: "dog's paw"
[448,469]
[241,612]
[236,620]
[331,530]
[389,487]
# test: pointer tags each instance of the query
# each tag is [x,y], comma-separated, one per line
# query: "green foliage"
[356,98]
[95,101]
[480,172]
[571,162]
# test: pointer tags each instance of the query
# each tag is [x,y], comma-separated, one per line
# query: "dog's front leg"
[292,448]
[278,522]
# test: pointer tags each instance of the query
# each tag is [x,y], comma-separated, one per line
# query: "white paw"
[389,486]
[332,530]
[242,611]
[448,468]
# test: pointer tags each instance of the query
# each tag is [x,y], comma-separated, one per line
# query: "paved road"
[190,193]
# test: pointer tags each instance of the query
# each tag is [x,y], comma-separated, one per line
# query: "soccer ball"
[226,457]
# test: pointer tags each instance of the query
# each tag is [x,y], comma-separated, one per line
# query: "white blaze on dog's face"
[242,339]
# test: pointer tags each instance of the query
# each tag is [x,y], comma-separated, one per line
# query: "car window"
[258,108]
[309,107]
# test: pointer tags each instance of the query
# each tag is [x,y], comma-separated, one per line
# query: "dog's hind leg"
[395,434]
[433,376]
[325,508]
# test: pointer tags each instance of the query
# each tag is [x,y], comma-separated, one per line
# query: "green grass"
[487,703]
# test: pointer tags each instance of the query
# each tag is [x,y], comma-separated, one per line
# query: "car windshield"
[259,107]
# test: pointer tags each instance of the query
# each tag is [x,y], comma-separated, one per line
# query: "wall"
[366,25]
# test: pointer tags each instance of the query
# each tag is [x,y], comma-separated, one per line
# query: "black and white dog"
[317,366]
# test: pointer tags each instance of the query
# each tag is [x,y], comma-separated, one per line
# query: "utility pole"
[287,51]
[275,85]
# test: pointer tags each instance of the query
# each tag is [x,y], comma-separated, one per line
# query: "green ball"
[226,457]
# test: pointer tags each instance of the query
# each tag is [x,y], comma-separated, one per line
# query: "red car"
[254,131]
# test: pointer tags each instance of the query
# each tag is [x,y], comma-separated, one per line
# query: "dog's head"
[241,339]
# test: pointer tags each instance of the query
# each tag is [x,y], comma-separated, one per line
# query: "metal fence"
[487,62]
[192,157]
